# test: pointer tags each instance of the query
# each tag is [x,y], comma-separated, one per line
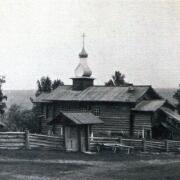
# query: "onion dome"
[83,70]
[83,53]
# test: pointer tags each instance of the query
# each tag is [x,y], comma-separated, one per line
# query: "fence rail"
[26,140]
[139,144]
[22,140]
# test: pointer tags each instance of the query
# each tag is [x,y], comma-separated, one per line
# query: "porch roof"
[149,105]
[78,118]
[83,118]
[171,114]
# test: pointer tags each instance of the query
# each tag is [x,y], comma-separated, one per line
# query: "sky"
[139,38]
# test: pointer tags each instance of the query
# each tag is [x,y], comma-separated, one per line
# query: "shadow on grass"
[102,156]
[147,172]
[37,169]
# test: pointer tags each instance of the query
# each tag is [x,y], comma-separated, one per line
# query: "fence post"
[166,146]
[120,139]
[143,145]
[27,144]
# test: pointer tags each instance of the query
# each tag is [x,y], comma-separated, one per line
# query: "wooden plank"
[12,133]
[12,141]
[40,135]
[11,136]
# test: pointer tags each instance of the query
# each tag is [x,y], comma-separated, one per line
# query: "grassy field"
[54,165]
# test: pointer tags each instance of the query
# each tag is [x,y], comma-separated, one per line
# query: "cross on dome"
[83,53]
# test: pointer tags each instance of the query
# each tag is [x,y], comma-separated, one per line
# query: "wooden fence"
[26,140]
[139,144]
[12,140]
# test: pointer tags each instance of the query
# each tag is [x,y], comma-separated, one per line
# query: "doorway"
[83,139]
[71,138]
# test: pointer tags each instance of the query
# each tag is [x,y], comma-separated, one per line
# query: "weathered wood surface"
[19,140]
[173,145]
[12,140]
[139,144]
[43,141]
[141,121]
[155,145]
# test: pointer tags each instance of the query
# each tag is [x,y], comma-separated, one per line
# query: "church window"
[96,111]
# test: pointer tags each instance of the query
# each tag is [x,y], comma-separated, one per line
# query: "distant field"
[20,97]
[54,165]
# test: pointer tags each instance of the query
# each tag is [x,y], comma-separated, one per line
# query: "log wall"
[116,117]
[141,121]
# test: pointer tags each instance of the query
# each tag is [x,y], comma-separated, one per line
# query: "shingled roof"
[149,105]
[95,93]
[83,118]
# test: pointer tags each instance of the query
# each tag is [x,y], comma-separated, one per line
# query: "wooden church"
[79,110]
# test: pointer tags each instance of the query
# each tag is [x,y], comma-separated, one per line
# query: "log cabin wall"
[116,119]
[51,110]
[116,116]
[142,121]
[47,112]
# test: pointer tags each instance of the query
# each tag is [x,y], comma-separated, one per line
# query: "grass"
[55,165]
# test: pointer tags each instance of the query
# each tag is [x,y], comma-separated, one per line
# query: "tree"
[18,119]
[57,83]
[117,80]
[177,96]
[45,84]
[2,96]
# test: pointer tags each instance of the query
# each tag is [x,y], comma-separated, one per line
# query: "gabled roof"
[149,105]
[77,118]
[95,93]
[82,118]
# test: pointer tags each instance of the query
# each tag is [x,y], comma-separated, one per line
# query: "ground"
[55,165]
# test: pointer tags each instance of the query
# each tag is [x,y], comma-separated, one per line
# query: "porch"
[76,129]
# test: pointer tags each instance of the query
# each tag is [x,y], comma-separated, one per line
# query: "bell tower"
[82,79]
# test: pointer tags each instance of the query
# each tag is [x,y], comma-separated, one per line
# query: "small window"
[96,111]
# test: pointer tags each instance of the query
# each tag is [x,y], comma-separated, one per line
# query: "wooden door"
[71,138]
[83,140]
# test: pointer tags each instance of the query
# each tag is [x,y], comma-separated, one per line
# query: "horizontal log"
[12,140]
[40,135]
[12,136]
[44,145]
[11,148]
[11,144]
[11,133]
[46,142]
[105,138]
[46,139]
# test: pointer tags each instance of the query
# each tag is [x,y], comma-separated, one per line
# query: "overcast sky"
[43,37]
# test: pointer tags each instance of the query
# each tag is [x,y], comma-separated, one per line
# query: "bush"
[19,119]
